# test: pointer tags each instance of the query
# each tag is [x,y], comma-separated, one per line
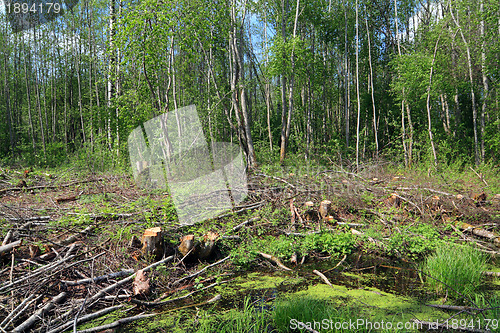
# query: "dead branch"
[480,176]
[20,309]
[493,237]
[99,278]
[275,260]
[242,224]
[86,318]
[104,291]
[39,313]
[275,178]
[250,207]
[7,285]
[168,301]
[195,274]
[454,307]
[74,237]
[10,246]
[323,277]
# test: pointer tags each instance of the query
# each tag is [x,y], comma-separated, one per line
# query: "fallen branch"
[10,246]
[99,278]
[493,237]
[104,291]
[168,301]
[39,313]
[453,307]
[19,310]
[195,274]
[251,207]
[86,318]
[275,178]
[275,260]
[242,224]
[323,277]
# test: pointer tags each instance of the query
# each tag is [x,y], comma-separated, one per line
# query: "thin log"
[104,291]
[195,274]
[251,207]
[242,224]
[86,318]
[117,323]
[275,260]
[10,246]
[7,238]
[19,310]
[168,301]
[491,273]
[39,313]
[323,277]
[74,237]
[99,278]
[453,307]
[493,237]
[275,178]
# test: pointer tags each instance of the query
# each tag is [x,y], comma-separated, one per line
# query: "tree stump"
[152,242]
[206,248]
[310,214]
[324,208]
[187,243]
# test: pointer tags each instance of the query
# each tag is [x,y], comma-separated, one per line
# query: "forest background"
[413,82]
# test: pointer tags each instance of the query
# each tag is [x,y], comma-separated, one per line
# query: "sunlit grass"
[456,269]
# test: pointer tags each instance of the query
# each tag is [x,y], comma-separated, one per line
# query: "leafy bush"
[414,241]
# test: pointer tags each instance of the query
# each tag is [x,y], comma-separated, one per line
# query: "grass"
[456,269]
[234,321]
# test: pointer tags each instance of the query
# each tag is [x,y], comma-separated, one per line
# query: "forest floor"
[71,251]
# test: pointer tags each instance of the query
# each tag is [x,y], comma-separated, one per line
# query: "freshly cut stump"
[152,242]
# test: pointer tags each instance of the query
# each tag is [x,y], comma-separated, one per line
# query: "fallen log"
[86,318]
[39,313]
[99,278]
[493,237]
[10,246]
[275,260]
[20,309]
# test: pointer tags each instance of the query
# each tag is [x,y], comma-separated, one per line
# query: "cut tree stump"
[324,208]
[152,242]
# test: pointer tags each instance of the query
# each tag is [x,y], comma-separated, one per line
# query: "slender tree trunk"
[37,92]
[403,102]
[111,66]
[473,96]
[28,100]
[267,87]
[485,81]
[284,110]
[372,90]
[429,123]
[7,101]
[357,88]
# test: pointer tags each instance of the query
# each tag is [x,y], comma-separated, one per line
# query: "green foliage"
[284,246]
[414,241]
[455,268]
